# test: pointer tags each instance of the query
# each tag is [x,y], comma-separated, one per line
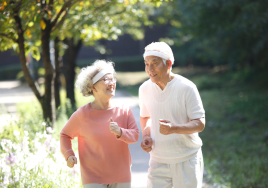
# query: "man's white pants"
[187,174]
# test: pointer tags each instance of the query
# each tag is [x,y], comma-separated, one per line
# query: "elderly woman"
[104,130]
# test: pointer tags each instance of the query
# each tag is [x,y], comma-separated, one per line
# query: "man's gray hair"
[84,78]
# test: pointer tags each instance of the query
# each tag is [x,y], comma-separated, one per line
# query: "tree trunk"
[32,84]
[46,99]
[57,73]
[48,104]
[71,54]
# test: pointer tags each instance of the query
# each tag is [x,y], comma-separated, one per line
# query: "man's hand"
[147,144]
[114,128]
[165,127]
[72,160]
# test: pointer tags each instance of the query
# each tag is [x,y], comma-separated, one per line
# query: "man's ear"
[169,64]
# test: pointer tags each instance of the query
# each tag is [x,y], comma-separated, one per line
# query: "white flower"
[50,130]
[16,133]
[6,182]
[6,145]
[26,133]
[44,123]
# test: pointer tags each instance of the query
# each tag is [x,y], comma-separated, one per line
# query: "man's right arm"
[147,141]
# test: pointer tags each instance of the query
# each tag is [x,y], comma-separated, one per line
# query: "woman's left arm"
[130,134]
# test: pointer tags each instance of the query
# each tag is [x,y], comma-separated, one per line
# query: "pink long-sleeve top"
[104,158]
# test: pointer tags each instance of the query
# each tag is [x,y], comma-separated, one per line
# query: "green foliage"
[215,32]
[29,26]
[33,161]
[235,140]
[7,132]
[235,137]
[86,20]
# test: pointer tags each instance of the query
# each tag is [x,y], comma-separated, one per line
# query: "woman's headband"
[101,74]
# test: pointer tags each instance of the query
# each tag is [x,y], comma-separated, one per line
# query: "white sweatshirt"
[179,102]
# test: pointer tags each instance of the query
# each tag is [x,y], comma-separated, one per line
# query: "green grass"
[235,137]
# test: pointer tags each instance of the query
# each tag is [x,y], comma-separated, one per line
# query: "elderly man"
[171,115]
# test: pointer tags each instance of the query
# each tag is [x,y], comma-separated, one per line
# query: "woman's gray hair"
[84,78]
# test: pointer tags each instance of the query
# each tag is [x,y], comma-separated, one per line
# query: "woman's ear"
[94,88]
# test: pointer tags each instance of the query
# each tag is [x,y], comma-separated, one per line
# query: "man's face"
[155,68]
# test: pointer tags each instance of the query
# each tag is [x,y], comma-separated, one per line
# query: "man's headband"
[101,74]
[156,53]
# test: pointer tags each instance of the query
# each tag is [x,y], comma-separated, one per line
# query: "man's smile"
[152,75]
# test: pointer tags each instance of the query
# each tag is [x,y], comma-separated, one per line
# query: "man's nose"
[150,68]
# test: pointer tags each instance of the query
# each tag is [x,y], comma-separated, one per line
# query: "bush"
[30,151]
[35,163]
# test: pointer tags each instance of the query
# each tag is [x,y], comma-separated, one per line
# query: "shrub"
[35,163]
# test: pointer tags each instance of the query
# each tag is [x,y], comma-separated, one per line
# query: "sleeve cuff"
[123,135]
[198,116]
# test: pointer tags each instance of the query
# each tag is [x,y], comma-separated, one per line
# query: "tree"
[98,23]
[219,32]
[29,26]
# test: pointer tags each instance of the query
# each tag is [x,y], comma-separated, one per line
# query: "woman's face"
[105,86]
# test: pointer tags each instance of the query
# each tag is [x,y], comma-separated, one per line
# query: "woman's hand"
[72,160]
[114,128]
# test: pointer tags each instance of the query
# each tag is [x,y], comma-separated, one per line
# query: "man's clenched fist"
[165,127]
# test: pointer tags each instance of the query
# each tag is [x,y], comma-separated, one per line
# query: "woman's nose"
[111,83]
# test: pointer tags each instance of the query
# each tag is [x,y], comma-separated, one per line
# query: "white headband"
[100,74]
[156,53]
